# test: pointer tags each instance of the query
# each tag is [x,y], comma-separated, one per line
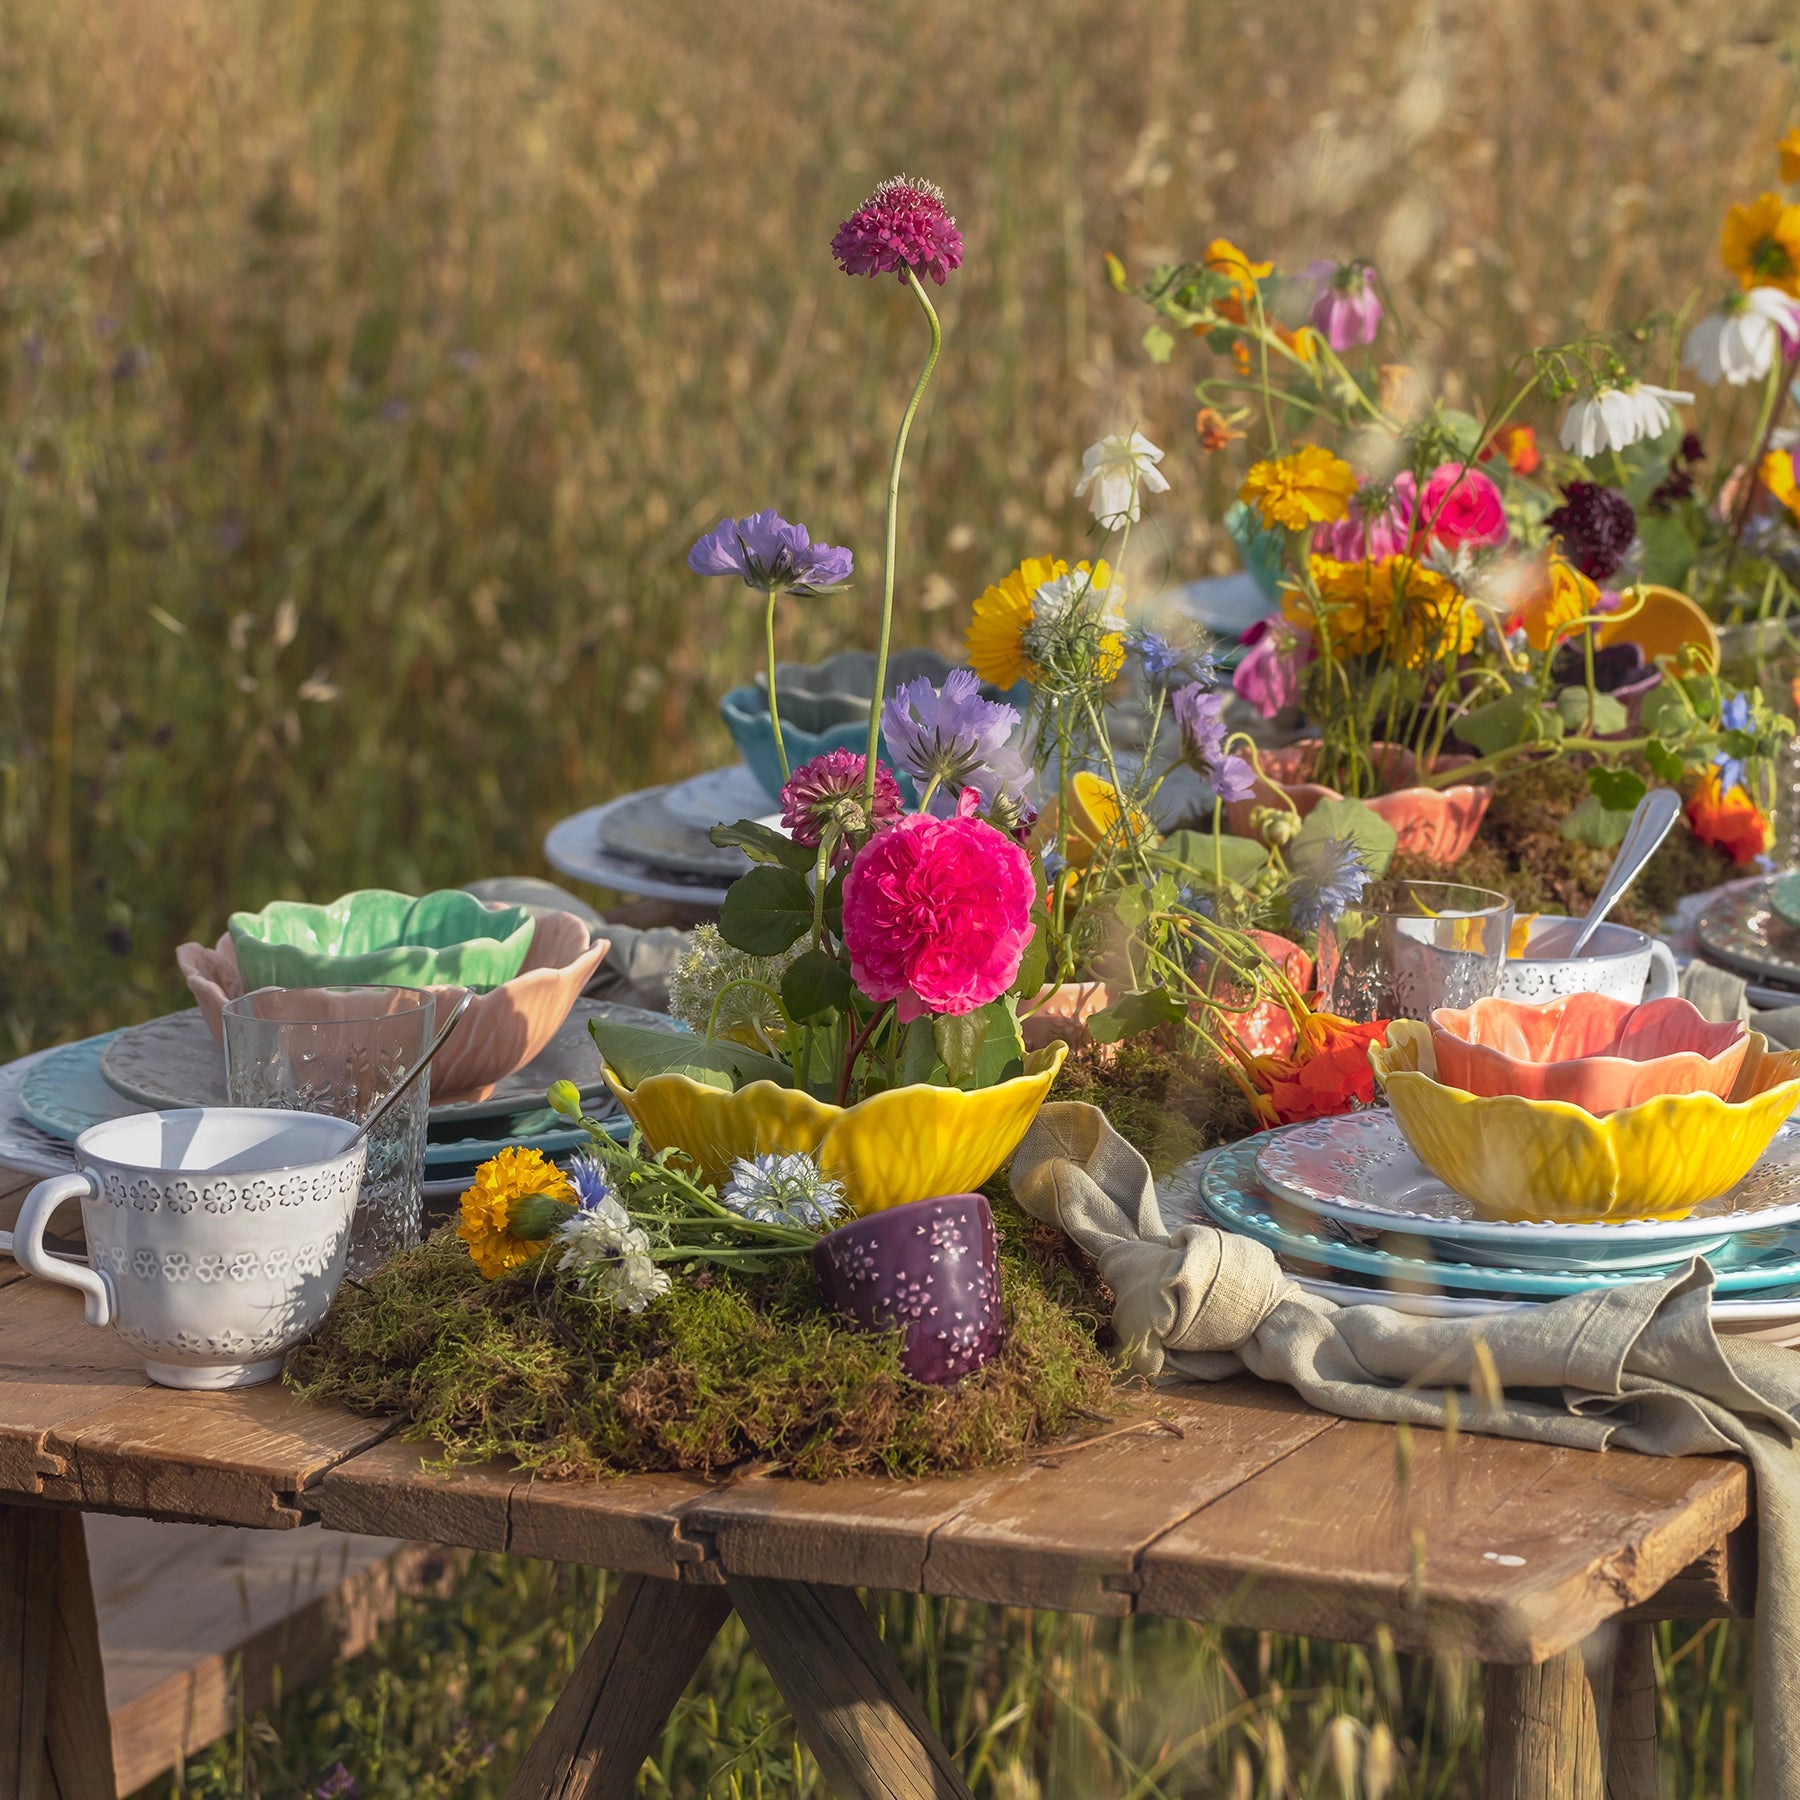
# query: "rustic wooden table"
[1232,1503]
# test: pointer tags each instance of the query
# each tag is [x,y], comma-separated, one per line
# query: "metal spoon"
[1649,825]
[418,1068]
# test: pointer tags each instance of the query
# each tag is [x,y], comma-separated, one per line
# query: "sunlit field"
[368,366]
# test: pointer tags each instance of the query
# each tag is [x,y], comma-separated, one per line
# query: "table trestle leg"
[1546,1725]
[1631,1762]
[651,1639]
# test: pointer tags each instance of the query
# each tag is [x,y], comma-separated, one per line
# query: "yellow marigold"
[1555,602]
[1310,487]
[1223,257]
[1761,243]
[487,1206]
[994,641]
[1789,151]
[1394,604]
[1776,474]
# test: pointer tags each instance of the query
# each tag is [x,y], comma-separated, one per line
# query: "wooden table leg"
[856,1713]
[55,1739]
[1545,1724]
[635,1667]
[1631,1761]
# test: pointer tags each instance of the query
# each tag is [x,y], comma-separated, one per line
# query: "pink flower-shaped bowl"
[503,1028]
[1591,1050]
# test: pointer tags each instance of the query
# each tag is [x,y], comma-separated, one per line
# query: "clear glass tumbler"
[1408,947]
[343,1050]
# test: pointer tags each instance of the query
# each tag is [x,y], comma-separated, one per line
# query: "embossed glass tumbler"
[343,1050]
[1408,947]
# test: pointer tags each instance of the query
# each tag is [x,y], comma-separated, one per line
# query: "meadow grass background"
[367,366]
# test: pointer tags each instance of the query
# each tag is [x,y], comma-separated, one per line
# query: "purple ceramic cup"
[931,1268]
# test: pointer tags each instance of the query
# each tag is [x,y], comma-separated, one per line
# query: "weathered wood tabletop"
[1232,1503]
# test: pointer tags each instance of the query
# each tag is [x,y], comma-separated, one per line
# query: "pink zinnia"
[1378,524]
[904,224]
[1347,310]
[937,914]
[1462,506]
[829,790]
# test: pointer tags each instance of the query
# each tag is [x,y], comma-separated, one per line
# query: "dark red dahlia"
[1679,483]
[904,224]
[1597,526]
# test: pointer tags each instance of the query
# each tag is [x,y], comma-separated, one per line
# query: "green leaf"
[1666,711]
[813,984]
[764,844]
[1669,550]
[1366,829]
[1592,823]
[1131,905]
[959,1038]
[1618,790]
[766,911]
[1516,719]
[1664,763]
[1037,954]
[1592,715]
[1190,855]
[1135,1012]
[920,1063]
[636,1052]
[1159,345]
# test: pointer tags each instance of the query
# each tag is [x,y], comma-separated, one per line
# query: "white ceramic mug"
[216,1235]
[1627,964]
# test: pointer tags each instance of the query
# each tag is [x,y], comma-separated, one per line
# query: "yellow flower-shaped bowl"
[911,1143]
[1522,1160]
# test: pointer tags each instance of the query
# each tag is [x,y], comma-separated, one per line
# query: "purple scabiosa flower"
[1346,310]
[589,1182]
[1201,717]
[827,794]
[1326,875]
[1597,526]
[1171,666]
[772,556]
[951,738]
[905,224]
[340,1784]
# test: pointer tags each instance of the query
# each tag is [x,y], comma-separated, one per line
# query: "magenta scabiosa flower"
[1597,526]
[1379,522]
[1346,310]
[905,224]
[827,794]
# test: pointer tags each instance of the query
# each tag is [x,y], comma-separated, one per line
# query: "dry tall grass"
[367,365]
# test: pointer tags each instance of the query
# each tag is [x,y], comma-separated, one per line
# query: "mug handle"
[28,1243]
[1664,978]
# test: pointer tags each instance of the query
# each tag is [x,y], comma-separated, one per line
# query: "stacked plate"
[47,1100]
[1753,929]
[1355,1216]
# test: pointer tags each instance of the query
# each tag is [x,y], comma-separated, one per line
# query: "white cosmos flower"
[1119,469]
[1052,604]
[1738,343]
[1617,417]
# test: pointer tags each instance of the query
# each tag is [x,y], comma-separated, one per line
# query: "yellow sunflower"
[1310,487]
[487,1208]
[1394,604]
[995,638]
[1761,243]
[1562,596]
[1789,151]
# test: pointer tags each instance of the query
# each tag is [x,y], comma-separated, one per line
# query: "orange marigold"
[1394,604]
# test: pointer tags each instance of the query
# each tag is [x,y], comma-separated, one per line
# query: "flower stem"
[774,710]
[893,532]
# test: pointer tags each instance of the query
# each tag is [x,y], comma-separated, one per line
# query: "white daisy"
[1738,343]
[1619,416]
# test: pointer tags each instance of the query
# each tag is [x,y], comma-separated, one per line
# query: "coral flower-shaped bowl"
[1521,1160]
[1593,1050]
[910,1143]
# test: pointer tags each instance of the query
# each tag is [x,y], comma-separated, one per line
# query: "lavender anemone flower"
[1346,310]
[1327,875]
[772,556]
[904,224]
[1202,719]
[951,739]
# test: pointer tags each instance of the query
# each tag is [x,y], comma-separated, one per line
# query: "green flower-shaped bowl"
[376,936]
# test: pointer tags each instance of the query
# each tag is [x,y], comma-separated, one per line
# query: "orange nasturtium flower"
[1223,257]
[1559,596]
[1309,487]
[1776,474]
[1216,431]
[1328,1073]
[1729,819]
[1789,151]
[1761,243]
[1516,445]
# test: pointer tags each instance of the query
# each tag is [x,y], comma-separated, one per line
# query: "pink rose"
[1362,533]
[1462,506]
[937,914]
[1269,677]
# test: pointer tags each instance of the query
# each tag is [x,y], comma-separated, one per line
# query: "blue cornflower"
[588,1178]
[1326,875]
[772,556]
[776,1189]
[951,738]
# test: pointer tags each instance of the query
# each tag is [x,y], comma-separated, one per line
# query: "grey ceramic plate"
[644,830]
[1742,930]
[174,1061]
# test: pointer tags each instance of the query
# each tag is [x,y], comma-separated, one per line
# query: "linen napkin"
[1636,1367]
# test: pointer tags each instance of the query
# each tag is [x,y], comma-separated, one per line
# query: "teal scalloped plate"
[66,1093]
